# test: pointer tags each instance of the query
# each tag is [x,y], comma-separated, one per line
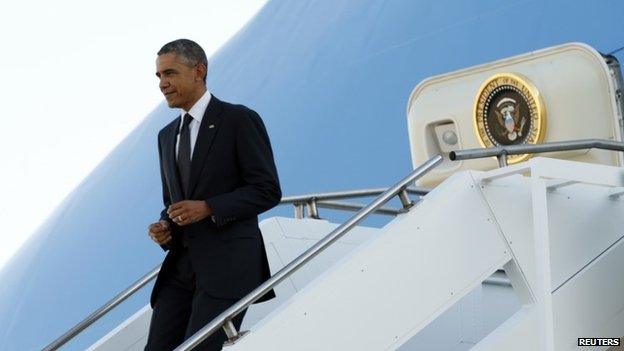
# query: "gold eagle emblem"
[508,111]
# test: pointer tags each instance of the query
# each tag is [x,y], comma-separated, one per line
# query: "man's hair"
[189,50]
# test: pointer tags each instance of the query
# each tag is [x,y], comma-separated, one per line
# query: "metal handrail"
[93,317]
[501,152]
[297,199]
[349,206]
[225,319]
[340,195]
[313,201]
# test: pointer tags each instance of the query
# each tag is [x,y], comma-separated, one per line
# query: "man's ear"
[201,71]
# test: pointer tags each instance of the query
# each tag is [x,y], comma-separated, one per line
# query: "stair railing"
[501,152]
[224,320]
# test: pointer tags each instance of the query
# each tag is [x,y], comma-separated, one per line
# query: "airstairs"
[553,226]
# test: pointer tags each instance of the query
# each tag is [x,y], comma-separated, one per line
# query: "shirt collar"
[198,110]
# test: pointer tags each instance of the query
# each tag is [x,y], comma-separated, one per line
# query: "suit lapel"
[171,168]
[207,131]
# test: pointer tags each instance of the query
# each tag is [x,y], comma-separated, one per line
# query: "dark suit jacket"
[232,169]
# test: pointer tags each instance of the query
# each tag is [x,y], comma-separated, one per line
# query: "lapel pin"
[211,126]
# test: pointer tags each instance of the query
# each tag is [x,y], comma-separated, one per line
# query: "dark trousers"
[180,310]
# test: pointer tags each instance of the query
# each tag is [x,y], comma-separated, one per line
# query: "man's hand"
[188,211]
[160,232]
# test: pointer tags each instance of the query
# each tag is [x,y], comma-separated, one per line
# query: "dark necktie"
[184,154]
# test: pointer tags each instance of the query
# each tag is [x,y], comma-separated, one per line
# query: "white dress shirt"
[197,112]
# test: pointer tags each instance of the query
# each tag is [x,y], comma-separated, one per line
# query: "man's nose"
[163,84]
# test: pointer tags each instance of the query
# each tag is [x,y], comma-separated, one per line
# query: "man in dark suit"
[218,174]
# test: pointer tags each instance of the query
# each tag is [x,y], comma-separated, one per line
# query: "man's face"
[181,85]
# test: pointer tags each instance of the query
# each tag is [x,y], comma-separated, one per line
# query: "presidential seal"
[508,111]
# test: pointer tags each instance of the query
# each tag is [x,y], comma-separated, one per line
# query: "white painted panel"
[516,334]
[509,199]
[131,335]
[591,304]
[421,264]
[583,222]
